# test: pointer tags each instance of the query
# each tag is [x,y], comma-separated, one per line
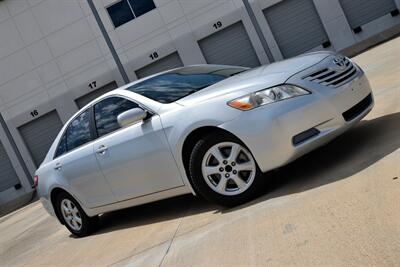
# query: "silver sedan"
[209,130]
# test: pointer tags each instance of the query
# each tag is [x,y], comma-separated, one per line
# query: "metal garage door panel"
[230,46]
[166,63]
[360,12]
[83,100]
[296,26]
[39,134]
[8,177]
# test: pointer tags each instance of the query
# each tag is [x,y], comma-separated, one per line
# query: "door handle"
[102,150]
[58,167]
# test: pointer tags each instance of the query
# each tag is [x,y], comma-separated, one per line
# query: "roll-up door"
[166,63]
[83,100]
[360,12]
[8,177]
[296,26]
[40,133]
[230,46]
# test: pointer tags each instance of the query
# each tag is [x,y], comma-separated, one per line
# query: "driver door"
[135,160]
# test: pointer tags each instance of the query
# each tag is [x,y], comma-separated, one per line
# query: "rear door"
[76,163]
[136,160]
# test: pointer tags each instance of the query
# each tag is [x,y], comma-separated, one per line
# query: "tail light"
[35,181]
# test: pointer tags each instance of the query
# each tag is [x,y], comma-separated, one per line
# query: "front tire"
[223,170]
[73,216]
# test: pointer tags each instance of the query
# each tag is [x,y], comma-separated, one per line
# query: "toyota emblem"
[340,63]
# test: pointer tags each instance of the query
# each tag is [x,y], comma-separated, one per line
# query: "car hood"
[256,79]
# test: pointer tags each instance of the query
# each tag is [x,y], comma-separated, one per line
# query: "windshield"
[171,86]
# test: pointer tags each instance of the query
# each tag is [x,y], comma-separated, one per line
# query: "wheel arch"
[53,198]
[191,140]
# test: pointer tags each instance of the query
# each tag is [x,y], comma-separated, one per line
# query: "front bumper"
[269,131]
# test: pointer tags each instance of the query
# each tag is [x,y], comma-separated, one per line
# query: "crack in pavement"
[156,245]
[138,253]
[173,237]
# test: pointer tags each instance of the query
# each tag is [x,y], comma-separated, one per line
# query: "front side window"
[106,113]
[78,132]
[127,10]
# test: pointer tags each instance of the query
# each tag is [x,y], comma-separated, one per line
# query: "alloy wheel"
[71,214]
[228,168]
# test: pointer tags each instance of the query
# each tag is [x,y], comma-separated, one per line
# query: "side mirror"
[131,116]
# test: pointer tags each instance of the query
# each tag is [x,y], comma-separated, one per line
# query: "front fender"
[181,122]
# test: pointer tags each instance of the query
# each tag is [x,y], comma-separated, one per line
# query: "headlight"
[267,96]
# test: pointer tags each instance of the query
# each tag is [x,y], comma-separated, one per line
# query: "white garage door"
[83,100]
[166,63]
[8,177]
[296,26]
[230,46]
[39,134]
[360,12]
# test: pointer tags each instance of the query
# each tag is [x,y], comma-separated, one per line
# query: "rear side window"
[107,111]
[78,132]
[62,146]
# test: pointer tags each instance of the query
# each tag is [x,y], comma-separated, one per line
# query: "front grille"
[332,76]
[359,108]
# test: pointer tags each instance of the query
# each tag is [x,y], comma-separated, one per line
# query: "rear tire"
[73,216]
[223,170]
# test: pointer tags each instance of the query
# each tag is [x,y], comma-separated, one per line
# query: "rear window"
[171,86]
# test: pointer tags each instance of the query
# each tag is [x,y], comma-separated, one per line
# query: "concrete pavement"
[338,206]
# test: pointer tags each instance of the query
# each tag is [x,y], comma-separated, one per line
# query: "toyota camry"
[210,130]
